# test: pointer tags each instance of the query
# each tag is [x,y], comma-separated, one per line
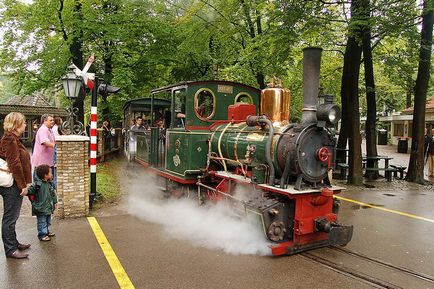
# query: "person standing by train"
[57,127]
[430,154]
[35,127]
[18,160]
[106,132]
[44,202]
[426,140]
[106,126]
[57,131]
[132,137]
[43,153]
[138,125]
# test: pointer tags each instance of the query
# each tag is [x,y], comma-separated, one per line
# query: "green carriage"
[177,143]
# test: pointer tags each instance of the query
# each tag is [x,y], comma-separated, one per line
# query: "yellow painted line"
[384,209]
[116,266]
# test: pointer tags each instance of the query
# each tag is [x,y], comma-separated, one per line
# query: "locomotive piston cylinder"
[253,120]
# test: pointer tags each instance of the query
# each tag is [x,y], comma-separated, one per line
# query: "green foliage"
[143,44]
[6,89]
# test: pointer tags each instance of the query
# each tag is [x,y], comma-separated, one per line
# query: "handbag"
[6,179]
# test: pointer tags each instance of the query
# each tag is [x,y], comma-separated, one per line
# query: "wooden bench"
[387,172]
[343,169]
[399,169]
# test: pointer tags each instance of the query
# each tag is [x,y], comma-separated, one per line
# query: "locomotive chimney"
[311,70]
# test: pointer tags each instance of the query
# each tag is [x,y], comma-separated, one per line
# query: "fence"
[109,143]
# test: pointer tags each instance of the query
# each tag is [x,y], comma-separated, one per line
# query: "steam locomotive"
[219,140]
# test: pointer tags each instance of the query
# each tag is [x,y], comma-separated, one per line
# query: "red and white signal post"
[93,142]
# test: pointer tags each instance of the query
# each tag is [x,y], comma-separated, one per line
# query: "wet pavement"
[152,258]
[401,240]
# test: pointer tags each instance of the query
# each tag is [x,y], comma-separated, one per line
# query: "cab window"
[204,103]
[179,106]
[243,98]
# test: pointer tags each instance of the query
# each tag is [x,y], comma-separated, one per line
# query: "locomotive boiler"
[222,138]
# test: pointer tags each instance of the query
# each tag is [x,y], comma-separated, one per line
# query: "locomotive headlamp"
[331,113]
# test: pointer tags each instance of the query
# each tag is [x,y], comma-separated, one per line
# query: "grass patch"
[107,183]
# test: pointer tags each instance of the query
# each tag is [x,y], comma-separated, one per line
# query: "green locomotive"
[216,137]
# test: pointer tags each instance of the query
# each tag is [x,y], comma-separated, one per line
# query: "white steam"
[213,227]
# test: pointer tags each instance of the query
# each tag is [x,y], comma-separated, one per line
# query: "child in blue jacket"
[42,194]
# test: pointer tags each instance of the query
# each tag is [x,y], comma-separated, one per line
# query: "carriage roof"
[144,104]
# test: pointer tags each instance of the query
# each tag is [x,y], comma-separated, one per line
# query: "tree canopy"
[143,44]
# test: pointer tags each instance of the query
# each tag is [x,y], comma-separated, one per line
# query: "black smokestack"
[311,69]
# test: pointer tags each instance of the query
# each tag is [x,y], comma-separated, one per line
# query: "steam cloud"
[213,227]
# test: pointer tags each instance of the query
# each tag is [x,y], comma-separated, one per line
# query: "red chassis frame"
[310,205]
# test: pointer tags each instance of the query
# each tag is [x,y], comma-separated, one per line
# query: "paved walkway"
[157,250]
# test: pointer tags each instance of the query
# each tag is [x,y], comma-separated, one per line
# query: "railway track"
[391,276]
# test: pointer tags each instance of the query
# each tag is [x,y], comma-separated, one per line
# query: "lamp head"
[71,83]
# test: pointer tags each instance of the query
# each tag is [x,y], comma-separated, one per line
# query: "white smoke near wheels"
[210,226]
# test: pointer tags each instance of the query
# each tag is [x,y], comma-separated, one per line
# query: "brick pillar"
[72,176]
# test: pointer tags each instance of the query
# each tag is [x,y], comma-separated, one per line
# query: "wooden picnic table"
[378,158]
[387,171]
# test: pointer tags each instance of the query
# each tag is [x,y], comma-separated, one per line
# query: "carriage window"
[204,103]
[179,96]
[243,98]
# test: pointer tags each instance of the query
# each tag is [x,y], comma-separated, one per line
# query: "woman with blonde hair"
[18,160]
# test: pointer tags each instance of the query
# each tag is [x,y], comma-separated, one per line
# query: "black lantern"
[72,86]
[71,83]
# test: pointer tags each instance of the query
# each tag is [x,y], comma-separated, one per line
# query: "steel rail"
[415,274]
[350,272]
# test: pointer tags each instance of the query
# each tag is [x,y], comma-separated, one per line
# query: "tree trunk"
[416,164]
[258,72]
[370,125]
[341,155]
[108,75]
[77,58]
[350,90]
[409,92]
[260,79]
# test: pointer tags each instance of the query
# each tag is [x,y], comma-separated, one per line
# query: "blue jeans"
[54,172]
[43,222]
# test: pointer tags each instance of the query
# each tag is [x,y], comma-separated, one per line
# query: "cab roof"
[188,83]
